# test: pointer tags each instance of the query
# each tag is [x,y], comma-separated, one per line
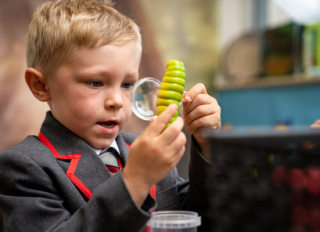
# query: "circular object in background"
[242,60]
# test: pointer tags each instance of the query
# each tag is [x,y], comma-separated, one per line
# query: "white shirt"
[113,144]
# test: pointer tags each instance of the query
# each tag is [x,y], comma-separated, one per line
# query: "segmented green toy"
[172,87]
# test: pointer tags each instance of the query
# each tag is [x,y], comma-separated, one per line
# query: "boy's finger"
[159,123]
[200,111]
[193,92]
[199,101]
[171,133]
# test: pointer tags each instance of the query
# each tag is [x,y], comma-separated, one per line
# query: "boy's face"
[89,93]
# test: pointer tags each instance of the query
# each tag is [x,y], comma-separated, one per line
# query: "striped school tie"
[111,159]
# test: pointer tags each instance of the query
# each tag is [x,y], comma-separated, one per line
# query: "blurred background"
[259,58]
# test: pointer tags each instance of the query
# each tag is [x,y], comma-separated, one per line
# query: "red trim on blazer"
[153,192]
[72,167]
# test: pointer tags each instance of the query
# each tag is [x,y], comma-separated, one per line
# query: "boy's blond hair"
[61,25]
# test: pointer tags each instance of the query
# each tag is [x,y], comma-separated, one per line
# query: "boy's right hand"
[154,154]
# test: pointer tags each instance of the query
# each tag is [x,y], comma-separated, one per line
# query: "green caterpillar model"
[171,88]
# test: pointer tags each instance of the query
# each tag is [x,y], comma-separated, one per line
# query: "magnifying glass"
[144,94]
[143,97]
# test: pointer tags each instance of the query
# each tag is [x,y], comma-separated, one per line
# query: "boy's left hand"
[316,125]
[200,111]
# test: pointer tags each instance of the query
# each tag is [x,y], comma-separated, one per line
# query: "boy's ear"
[37,84]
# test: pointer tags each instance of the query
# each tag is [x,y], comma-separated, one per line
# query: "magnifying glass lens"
[143,97]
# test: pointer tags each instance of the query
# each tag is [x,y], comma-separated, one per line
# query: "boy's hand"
[154,154]
[316,125]
[200,111]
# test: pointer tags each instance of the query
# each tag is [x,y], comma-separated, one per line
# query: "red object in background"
[297,179]
[313,184]
[300,215]
[315,219]
[279,175]
[309,145]
[298,228]
[304,185]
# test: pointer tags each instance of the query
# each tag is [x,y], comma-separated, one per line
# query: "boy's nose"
[113,100]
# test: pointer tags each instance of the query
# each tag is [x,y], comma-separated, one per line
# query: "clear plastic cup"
[174,221]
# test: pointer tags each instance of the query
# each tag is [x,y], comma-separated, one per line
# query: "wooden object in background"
[242,60]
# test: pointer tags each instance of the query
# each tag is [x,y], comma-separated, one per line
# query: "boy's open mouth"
[108,124]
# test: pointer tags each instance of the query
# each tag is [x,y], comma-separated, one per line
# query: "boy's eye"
[127,85]
[95,84]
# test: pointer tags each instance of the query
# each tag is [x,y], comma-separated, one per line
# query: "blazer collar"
[80,162]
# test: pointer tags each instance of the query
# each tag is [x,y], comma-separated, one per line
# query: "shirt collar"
[113,145]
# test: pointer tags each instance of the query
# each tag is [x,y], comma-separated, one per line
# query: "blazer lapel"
[80,162]
[123,147]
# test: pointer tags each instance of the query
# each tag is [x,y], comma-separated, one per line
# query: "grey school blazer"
[60,184]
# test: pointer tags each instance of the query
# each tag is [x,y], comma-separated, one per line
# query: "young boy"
[83,58]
